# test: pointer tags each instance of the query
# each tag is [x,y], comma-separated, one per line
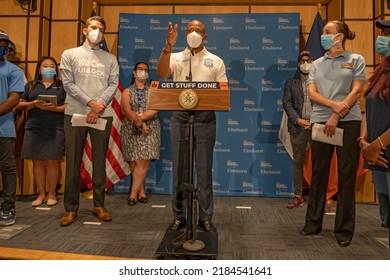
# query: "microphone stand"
[189,77]
[191,244]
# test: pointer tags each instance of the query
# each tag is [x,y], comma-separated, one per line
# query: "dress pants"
[203,156]
[299,143]
[348,160]
[74,143]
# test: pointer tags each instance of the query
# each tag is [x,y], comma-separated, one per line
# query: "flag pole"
[95,7]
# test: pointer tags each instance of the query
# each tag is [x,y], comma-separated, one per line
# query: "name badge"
[347,65]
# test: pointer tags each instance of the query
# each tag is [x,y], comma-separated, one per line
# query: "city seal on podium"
[188,99]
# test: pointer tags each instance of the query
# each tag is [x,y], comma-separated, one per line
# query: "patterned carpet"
[249,228]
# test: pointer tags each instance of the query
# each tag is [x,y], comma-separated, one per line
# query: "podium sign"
[196,96]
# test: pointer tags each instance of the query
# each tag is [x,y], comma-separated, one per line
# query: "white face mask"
[194,40]
[305,67]
[142,75]
[95,36]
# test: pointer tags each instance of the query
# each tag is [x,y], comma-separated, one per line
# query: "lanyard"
[140,94]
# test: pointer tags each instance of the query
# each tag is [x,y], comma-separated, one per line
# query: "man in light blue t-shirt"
[11,86]
[90,76]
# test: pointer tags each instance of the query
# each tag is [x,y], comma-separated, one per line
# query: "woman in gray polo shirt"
[336,81]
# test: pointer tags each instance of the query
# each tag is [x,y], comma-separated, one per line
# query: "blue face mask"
[3,52]
[327,41]
[48,73]
[382,46]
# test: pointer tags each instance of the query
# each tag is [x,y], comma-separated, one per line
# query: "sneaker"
[295,202]
[7,217]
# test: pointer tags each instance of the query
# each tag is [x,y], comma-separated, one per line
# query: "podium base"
[174,243]
[194,245]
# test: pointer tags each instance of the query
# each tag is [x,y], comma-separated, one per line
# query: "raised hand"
[172,34]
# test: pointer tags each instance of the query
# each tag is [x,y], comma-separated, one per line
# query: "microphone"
[189,77]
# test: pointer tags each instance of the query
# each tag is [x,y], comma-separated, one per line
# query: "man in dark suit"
[297,106]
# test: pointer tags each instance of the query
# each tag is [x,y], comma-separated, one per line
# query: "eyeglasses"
[143,69]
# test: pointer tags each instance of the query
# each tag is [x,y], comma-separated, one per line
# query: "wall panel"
[33,39]
[360,44]
[364,188]
[47,9]
[334,10]
[31,70]
[16,30]
[11,7]
[211,9]
[45,37]
[65,9]
[29,187]
[358,9]
[63,37]
[369,71]
[377,9]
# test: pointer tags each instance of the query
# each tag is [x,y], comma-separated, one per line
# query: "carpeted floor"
[259,228]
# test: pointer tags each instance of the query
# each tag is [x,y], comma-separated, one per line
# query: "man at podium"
[196,64]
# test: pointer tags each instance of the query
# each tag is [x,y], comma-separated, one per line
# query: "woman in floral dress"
[140,132]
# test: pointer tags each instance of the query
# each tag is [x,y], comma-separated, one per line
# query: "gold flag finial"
[95,7]
[319,7]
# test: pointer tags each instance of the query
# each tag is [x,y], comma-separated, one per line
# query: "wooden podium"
[189,96]
[178,96]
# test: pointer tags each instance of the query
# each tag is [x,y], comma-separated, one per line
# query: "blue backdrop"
[260,52]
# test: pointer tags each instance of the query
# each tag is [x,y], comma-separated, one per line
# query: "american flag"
[313,44]
[116,167]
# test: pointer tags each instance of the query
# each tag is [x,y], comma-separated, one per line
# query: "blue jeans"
[8,171]
[382,188]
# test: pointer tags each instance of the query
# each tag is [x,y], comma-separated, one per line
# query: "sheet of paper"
[319,135]
[81,120]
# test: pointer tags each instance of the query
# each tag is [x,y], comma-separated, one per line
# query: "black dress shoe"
[207,226]
[131,201]
[344,243]
[143,199]
[304,232]
[177,224]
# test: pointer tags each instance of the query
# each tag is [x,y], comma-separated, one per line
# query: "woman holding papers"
[335,83]
[375,130]
[140,132]
[43,140]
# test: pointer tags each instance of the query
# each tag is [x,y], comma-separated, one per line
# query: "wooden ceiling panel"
[212,2]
